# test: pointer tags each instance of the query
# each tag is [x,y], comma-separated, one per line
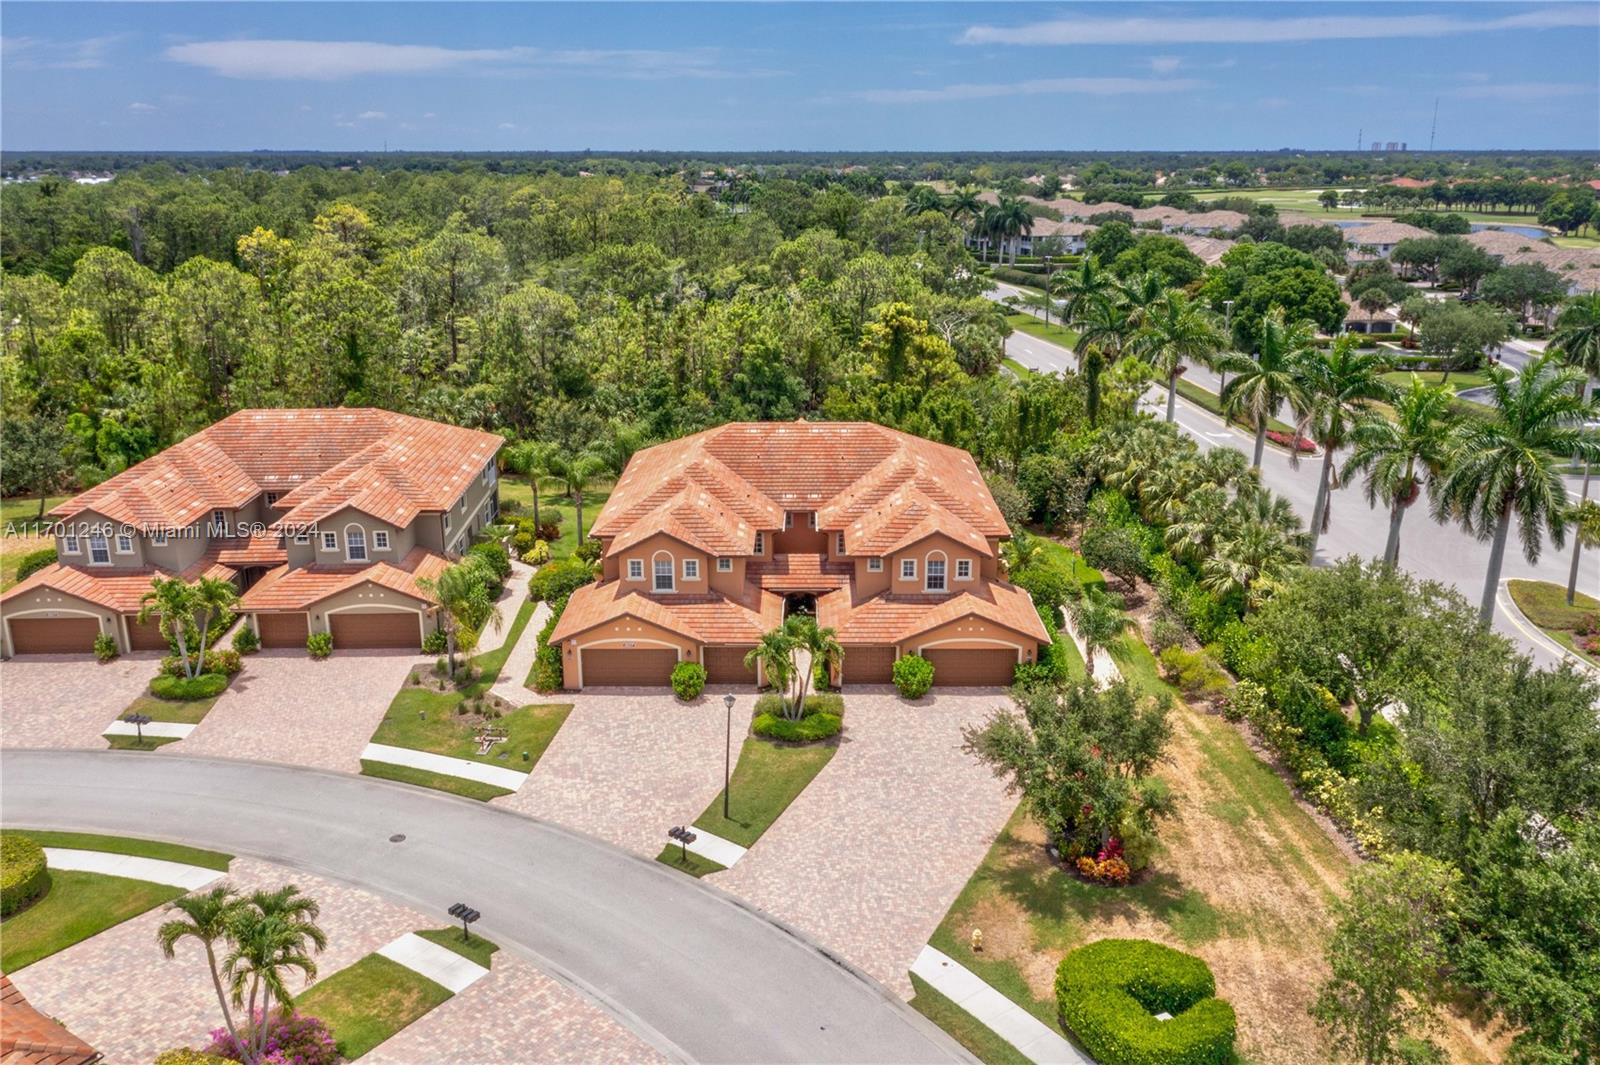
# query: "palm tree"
[1250,557]
[1577,333]
[1585,533]
[275,933]
[1506,465]
[531,458]
[1337,385]
[773,655]
[1396,454]
[923,198]
[818,644]
[964,203]
[206,918]
[1098,617]
[1195,522]
[576,472]
[212,598]
[1021,551]
[1011,221]
[173,602]
[1177,330]
[1141,294]
[1080,288]
[463,608]
[1260,385]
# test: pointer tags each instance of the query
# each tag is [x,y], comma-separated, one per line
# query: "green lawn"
[77,906]
[190,712]
[1210,401]
[766,779]
[1459,379]
[1022,373]
[517,489]
[404,774]
[477,950]
[1133,658]
[134,743]
[370,1001]
[1545,604]
[1054,333]
[979,1039]
[139,848]
[17,538]
[690,863]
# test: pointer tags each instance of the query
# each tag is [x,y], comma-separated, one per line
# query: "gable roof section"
[28,1037]
[709,618]
[889,618]
[113,589]
[391,466]
[1384,233]
[297,589]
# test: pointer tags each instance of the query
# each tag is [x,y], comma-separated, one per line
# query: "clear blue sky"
[827,76]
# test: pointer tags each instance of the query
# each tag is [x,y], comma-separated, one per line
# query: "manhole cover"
[398,837]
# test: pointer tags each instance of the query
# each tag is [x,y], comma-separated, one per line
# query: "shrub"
[820,718]
[1299,443]
[225,662]
[245,641]
[913,675]
[547,672]
[1194,673]
[590,550]
[34,561]
[493,555]
[483,571]
[549,530]
[1165,631]
[320,644]
[187,1056]
[435,643]
[522,543]
[539,555]
[560,579]
[296,1038]
[24,875]
[105,648]
[1109,992]
[187,689]
[688,680]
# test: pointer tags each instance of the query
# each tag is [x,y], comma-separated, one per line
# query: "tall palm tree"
[1396,454]
[1505,466]
[463,608]
[1098,617]
[964,204]
[1338,385]
[773,654]
[172,602]
[1262,384]
[576,471]
[1177,330]
[1141,294]
[1079,288]
[212,598]
[1576,338]
[923,198]
[274,934]
[1011,220]
[1585,533]
[821,645]
[206,919]
[531,458]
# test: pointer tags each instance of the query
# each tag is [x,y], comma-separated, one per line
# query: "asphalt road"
[694,971]
[1430,550]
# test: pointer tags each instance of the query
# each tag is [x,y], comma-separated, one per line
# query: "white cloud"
[1034,87]
[334,60]
[507,125]
[429,114]
[1522,92]
[1245,30]
[142,108]
[38,53]
[1165,64]
[372,115]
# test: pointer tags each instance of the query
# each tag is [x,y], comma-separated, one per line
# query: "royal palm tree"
[964,204]
[1577,333]
[1080,288]
[923,198]
[206,919]
[213,597]
[1011,221]
[1506,465]
[806,639]
[531,459]
[1585,533]
[275,934]
[1395,455]
[1177,330]
[172,602]
[1262,384]
[1337,385]
[1098,617]
[773,655]
[1141,294]
[576,471]
[464,609]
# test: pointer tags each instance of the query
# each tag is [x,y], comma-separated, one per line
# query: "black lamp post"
[139,721]
[727,755]
[466,915]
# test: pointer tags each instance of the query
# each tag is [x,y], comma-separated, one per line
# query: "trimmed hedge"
[822,718]
[34,561]
[548,675]
[688,680]
[1109,992]
[24,875]
[913,675]
[188,689]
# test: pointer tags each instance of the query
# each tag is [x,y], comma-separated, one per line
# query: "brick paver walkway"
[515,671]
[287,707]
[626,766]
[510,601]
[871,855]
[68,700]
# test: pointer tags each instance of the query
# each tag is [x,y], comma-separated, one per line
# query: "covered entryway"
[283,630]
[725,665]
[53,636]
[375,628]
[647,667]
[867,664]
[145,636]
[972,667]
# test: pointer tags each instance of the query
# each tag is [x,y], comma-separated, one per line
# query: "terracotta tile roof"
[707,618]
[297,589]
[799,573]
[887,618]
[28,1037]
[1209,249]
[113,589]
[391,466]
[1384,233]
[716,489]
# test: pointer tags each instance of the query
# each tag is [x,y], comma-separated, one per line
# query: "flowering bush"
[1299,443]
[1108,866]
[293,1039]
[224,661]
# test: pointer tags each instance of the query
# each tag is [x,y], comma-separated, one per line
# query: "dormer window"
[69,544]
[724,565]
[124,544]
[158,538]
[380,540]
[788,521]
[963,569]
[272,499]
[330,541]
[99,550]
[636,569]
[219,521]
[691,569]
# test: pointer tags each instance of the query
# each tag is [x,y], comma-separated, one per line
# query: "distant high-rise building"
[1402,146]
[1393,146]
[1377,146]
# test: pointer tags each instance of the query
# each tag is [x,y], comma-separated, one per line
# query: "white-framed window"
[761,543]
[935,575]
[963,569]
[380,539]
[788,521]
[302,537]
[691,569]
[330,541]
[219,520]
[272,499]
[636,569]
[69,544]
[908,569]
[355,543]
[124,544]
[811,519]
[838,544]
[874,565]
[99,550]
[663,574]
[158,538]
[488,509]
[724,565]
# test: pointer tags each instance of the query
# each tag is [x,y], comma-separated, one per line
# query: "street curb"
[1533,632]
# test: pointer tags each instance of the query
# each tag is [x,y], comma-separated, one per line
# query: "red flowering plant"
[1300,443]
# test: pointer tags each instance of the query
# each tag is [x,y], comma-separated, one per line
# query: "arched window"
[933,575]
[661,572]
[355,543]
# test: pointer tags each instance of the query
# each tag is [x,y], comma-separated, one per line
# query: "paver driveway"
[288,707]
[496,1020]
[68,700]
[871,855]
[628,765]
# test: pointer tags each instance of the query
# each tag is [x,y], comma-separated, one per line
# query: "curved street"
[692,970]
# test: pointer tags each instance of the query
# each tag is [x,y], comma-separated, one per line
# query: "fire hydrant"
[977,941]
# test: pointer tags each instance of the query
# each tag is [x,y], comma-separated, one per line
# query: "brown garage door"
[283,630]
[971,668]
[377,628]
[725,665]
[649,667]
[146,637]
[865,664]
[54,636]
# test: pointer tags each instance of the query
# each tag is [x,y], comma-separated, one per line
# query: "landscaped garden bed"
[1576,627]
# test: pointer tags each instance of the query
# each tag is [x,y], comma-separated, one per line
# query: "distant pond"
[1477,227]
